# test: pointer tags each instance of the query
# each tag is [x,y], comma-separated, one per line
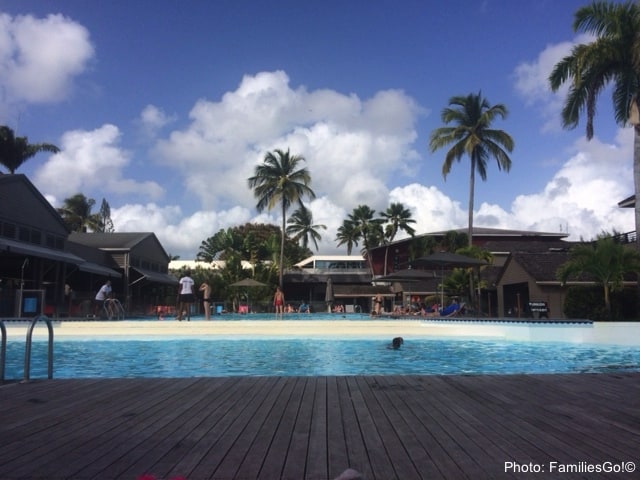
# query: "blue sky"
[164,108]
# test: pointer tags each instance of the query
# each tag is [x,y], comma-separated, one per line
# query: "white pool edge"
[605,333]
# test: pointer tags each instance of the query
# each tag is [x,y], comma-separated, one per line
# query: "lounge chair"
[452,310]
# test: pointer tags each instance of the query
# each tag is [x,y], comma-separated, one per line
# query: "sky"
[165,108]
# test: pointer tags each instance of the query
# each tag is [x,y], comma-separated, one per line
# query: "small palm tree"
[605,261]
[279,180]
[472,136]
[301,227]
[14,151]
[613,57]
[397,217]
[76,214]
[361,224]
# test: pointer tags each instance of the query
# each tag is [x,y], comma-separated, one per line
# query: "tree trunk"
[281,266]
[472,184]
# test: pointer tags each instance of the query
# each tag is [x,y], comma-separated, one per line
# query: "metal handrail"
[3,350]
[27,348]
[113,309]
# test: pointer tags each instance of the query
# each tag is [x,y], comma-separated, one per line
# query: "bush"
[588,302]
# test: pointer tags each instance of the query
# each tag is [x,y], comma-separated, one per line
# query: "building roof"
[110,240]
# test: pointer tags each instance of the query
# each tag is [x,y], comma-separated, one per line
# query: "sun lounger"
[452,310]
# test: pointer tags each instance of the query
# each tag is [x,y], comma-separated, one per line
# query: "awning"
[99,270]
[11,246]
[155,277]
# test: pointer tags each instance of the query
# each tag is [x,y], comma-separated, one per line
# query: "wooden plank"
[271,427]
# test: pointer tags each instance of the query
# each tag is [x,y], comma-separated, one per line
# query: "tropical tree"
[14,151]
[361,225]
[613,57]
[605,261]
[106,224]
[76,214]
[397,217]
[472,136]
[301,227]
[280,180]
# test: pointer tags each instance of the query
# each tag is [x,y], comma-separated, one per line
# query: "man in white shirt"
[102,296]
[185,296]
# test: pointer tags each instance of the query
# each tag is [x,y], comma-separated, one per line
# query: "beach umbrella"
[248,282]
[329,296]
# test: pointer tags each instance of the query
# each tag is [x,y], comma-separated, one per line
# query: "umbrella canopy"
[329,296]
[248,282]
[446,260]
[407,275]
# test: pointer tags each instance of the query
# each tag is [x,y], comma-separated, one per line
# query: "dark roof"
[123,240]
[7,179]
[629,202]
[485,232]
[531,246]
[540,266]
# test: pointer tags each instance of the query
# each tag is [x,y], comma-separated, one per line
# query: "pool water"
[314,357]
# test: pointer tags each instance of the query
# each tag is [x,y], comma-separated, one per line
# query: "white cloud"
[40,57]
[351,146]
[153,119]
[179,235]
[91,161]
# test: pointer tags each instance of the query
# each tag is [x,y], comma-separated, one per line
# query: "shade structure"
[406,275]
[329,296]
[446,260]
[248,282]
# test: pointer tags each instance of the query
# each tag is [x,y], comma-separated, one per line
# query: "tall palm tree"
[397,217]
[76,214]
[279,180]
[613,57]
[605,260]
[14,151]
[472,136]
[301,227]
[347,235]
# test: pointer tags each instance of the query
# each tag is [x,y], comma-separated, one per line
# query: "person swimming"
[396,343]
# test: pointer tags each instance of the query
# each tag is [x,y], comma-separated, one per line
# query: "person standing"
[102,296]
[278,301]
[206,298]
[185,296]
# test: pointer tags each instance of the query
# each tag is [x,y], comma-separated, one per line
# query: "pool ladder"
[27,348]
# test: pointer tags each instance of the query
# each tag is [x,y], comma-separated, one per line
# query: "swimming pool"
[315,357]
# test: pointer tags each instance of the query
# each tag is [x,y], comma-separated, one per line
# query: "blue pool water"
[314,357]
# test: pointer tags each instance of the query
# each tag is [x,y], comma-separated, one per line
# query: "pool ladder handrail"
[3,350]
[116,310]
[27,348]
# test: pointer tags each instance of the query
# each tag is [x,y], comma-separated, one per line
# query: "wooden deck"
[386,427]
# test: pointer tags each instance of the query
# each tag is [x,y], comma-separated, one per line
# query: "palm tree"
[280,180]
[604,260]
[472,116]
[398,217]
[14,151]
[613,57]
[361,224]
[301,227]
[76,214]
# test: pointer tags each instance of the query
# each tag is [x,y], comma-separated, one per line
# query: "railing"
[629,237]
[113,309]
[3,350]
[27,348]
